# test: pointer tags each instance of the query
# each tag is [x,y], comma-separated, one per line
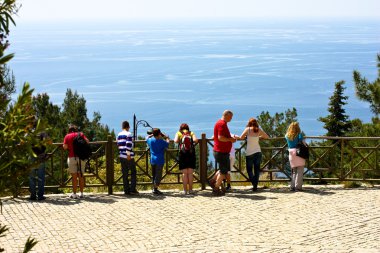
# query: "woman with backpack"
[186,155]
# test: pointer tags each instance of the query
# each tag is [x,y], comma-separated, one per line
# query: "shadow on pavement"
[145,195]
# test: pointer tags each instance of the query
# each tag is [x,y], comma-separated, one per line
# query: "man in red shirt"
[222,147]
[76,166]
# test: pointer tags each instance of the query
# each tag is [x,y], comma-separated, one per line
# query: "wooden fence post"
[109,164]
[203,160]
[342,171]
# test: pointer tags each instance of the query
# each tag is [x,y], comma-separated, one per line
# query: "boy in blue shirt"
[157,146]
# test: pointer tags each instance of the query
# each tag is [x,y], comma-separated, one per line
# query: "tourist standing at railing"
[222,147]
[293,137]
[228,175]
[125,144]
[38,172]
[186,156]
[76,166]
[157,146]
[253,156]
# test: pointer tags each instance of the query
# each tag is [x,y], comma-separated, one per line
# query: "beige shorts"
[73,163]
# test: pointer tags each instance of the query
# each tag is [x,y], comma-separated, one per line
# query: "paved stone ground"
[319,219]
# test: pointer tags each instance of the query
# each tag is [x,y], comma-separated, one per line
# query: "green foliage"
[369,92]
[96,131]
[360,129]
[74,110]
[7,87]
[17,136]
[7,9]
[7,83]
[276,125]
[30,243]
[337,122]
[351,184]
[49,113]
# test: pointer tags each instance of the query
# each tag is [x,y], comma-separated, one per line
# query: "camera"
[156,132]
[163,135]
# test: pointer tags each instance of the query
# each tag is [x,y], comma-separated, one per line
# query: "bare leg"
[75,181]
[190,178]
[81,182]
[219,180]
[184,179]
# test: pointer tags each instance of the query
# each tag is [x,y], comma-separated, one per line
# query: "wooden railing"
[331,159]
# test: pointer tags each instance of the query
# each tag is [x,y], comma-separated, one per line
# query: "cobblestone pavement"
[319,219]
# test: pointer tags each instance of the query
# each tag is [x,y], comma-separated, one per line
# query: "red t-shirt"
[69,141]
[221,129]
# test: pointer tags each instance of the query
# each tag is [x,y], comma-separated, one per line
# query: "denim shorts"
[223,160]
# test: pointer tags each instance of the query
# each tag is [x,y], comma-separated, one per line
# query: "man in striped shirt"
[127,161]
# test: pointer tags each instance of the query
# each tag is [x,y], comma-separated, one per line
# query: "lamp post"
[137,123]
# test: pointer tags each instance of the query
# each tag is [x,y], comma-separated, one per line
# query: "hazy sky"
[54,10]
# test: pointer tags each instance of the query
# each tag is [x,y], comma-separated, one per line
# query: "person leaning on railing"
[76,165]
[222,147]
[253,154]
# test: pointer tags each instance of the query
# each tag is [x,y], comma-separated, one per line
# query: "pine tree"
[337,123]
[369,92]
[74,110]
[50,114]
[276,125]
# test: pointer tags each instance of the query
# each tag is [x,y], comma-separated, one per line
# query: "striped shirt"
[125,144]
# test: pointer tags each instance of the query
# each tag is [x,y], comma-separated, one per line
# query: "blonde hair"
[293,131]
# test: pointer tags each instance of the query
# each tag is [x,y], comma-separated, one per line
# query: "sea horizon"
[190,71]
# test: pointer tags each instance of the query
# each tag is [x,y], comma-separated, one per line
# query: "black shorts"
[187,160]
[223,160]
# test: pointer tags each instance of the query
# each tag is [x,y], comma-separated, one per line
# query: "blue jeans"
[127,166]
[37,174]
[253,161]
[157,174]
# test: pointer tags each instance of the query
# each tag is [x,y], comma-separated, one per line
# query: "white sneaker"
[183,192]
[73,196]
[81,195]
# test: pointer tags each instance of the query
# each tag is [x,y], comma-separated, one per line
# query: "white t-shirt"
[253,145]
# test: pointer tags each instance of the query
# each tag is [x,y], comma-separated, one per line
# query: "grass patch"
[351,184]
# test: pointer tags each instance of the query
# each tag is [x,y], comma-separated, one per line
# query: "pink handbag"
[295,161]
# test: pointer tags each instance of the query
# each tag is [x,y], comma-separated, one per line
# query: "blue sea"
[169,72]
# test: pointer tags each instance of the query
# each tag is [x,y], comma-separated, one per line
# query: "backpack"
[186,144]
[81,147]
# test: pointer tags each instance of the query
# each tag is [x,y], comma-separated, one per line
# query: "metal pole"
[134,127]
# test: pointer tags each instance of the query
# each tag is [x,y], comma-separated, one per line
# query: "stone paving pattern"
[319,219]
